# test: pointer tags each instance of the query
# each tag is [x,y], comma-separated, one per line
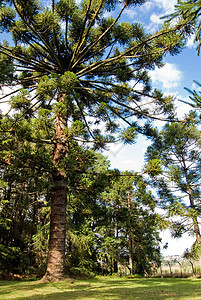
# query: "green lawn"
[110,288]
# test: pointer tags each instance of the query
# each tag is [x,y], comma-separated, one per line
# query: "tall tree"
[177,150]
[74,62]
[134,223]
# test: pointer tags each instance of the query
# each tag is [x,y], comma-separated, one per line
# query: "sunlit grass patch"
[110,288]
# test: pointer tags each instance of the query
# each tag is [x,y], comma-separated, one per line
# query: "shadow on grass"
[104,288]
[18,287]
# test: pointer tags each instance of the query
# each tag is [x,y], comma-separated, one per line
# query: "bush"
[10,259]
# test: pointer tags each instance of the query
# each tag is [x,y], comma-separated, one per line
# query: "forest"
[68,75]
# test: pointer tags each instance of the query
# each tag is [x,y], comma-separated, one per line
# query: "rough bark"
[195,220]
[56,256]
[130,240]
[131,260]
[192,205]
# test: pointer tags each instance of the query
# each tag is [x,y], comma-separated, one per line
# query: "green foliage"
[45,20]
[40,244]
[25,168]
[59,109]
[154,167]
[188,14]
[47,87]
[21,103]
[130,209]
[43,126]
[67,81]
[195,97]
[91,60]
[175,174]
[177,149]
[7,16]
[97,205]
[75,66]
[3,184]
[10,258]
[6,67]
[77,129]
[123,32]
[80,259]
[65,8]
[193,254]
[128,135]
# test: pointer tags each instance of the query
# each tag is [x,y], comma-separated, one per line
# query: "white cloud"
[175,246]
[163,8]
[169,76]
[155,23]
[4,105]
[146,7]
[194,86]
[107,14]
[155,19]
[131,13]
[137,86]
[190,42]
[151,28]
[78,2]
[128,157]
[182,108]
[166,6]
[47,3]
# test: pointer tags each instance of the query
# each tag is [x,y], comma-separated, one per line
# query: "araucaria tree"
[82,69]
[177,151]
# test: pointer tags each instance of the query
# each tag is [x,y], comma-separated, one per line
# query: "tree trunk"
[180,265]
[57,240]
[161,270]
[192,205]
[169,264]
[195,220]
[130,239]
[192,266]
[131,263]
[115,266]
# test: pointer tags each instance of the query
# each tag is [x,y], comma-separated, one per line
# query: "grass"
[110,288]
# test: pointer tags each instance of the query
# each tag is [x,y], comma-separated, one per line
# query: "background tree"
[177,151]
[192,256]
[84,210]
[25,194]
[104,225]
[25,191]
[76,64]
[187,13]
[134,224]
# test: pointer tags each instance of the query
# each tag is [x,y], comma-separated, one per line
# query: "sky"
[178,72]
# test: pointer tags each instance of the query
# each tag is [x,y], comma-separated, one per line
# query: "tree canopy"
[72,69]
[175,154]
